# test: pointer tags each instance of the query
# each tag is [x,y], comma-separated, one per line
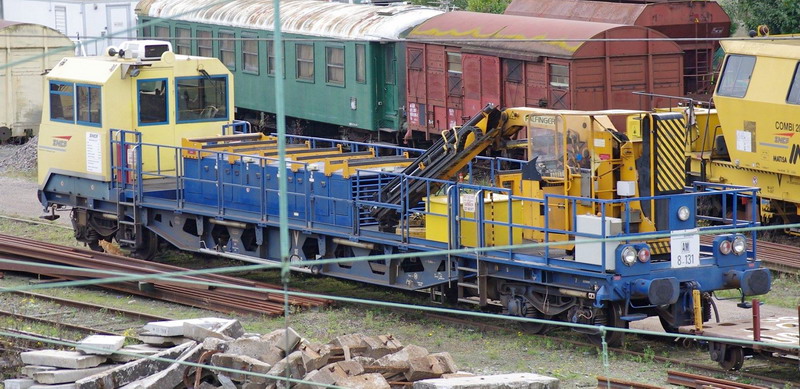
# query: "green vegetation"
[51,233]
[490,6]
[781,16]
[784,291]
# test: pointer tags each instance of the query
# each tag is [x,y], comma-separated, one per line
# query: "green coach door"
[387,105]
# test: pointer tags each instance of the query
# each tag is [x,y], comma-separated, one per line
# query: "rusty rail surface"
[27,254]
[613,383]
[698,381]
[776,256]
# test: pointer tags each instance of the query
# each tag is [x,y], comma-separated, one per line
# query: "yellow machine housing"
[165,99]
[574,153]
[757,103]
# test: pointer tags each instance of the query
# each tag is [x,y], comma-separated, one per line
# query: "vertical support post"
[756,320]
[698,311]
[280,113]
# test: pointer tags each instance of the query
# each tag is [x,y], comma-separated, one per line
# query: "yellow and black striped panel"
[659,247]
[670,152]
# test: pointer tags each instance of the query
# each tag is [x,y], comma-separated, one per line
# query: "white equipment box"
[591,252]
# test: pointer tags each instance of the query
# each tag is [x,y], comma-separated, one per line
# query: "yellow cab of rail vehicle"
[752,138]
[142,88]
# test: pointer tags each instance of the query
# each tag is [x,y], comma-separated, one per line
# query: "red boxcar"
[459,61]
[703,20]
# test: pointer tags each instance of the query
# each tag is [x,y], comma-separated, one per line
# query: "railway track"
[769,381]
[78,264]
[776,256]
[76,316]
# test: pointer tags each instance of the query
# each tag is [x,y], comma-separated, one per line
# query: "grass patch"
[785,291]
[51,233]
[27,174]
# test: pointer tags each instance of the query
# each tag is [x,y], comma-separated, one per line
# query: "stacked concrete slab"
[213,353]
[59,369]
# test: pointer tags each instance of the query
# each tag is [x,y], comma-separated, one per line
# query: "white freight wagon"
[98,24]
[27,51]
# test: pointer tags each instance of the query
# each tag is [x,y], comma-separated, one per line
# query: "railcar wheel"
[667,326]
[95,246]
[149,246]
[610,317]
[733,358]
[531,327]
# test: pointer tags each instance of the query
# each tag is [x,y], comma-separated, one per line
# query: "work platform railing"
[229,193]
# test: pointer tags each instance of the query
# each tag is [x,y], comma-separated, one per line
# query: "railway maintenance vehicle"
[595,228]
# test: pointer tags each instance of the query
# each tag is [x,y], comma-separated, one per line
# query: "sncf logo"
[794,154]
[61,141]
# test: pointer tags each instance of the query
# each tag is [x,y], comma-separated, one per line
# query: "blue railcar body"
[223,189]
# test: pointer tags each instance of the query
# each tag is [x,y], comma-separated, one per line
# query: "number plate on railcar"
[685,248]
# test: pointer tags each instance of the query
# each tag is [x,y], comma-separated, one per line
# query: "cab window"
[152,96]
[88,98]
[62,102]
[75,103]
[794,89]
[735,77]
[202,98]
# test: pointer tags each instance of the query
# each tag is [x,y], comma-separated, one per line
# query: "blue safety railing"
[223,184]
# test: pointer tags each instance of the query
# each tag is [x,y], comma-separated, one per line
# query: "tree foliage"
[488,6]
[781,16]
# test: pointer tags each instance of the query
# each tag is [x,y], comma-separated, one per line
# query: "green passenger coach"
[344,67]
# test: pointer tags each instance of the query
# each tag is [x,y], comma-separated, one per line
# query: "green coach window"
[334,65]
[162,32]
[204,47]
[183,41]
[152,101]
[202,98]
[227,49]
[361,63]
[250,53]
[271,57]
[305,61]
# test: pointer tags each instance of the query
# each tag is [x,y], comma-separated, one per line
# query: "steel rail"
[776,256]
[229,300]
[614,383]
[73,327]
[103,260]
[80,304]
[696,380]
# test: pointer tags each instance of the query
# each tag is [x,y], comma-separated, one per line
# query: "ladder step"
[127,241]
[127,223]
[468,301]
[468,285]
[470,269]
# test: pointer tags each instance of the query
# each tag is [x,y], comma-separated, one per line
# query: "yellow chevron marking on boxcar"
[475,33]
[670,155]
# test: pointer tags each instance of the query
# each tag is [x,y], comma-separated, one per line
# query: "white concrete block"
[18,383]
[59,386]
[59,358]
[504,381]
[65,376]
[28,370]
[175,327]
[101,344]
